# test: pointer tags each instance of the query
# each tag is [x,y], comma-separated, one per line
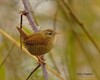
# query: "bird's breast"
[39,48]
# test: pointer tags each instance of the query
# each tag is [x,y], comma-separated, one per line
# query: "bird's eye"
[49,33]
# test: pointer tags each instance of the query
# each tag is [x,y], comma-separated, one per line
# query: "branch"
[29,14]
[33,25]
[33,71]
[43,67]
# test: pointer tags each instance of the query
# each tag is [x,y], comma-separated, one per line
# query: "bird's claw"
[41,59]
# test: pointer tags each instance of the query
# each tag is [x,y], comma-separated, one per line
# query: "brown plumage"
[38,43]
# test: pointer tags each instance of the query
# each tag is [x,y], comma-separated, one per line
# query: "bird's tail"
[22,33]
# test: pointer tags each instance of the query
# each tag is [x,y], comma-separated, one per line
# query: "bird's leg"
[41,59]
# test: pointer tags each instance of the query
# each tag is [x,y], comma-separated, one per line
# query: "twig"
[43,67]
[29,15]
[33,71]
[34,26]
[21,22]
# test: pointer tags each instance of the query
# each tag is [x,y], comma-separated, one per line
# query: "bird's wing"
[36,40]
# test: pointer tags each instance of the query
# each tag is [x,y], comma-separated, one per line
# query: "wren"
[38,43]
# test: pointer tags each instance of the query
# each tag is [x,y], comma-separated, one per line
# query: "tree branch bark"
[27,7]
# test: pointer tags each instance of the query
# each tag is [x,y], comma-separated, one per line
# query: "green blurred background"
[76,55]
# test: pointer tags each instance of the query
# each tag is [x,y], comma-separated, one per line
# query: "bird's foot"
[41,59]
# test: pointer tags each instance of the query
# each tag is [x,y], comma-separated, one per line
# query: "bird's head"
[49,33]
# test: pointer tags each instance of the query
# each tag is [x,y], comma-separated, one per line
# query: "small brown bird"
[38,43]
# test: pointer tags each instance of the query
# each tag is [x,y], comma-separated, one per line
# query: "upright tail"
[22,33]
